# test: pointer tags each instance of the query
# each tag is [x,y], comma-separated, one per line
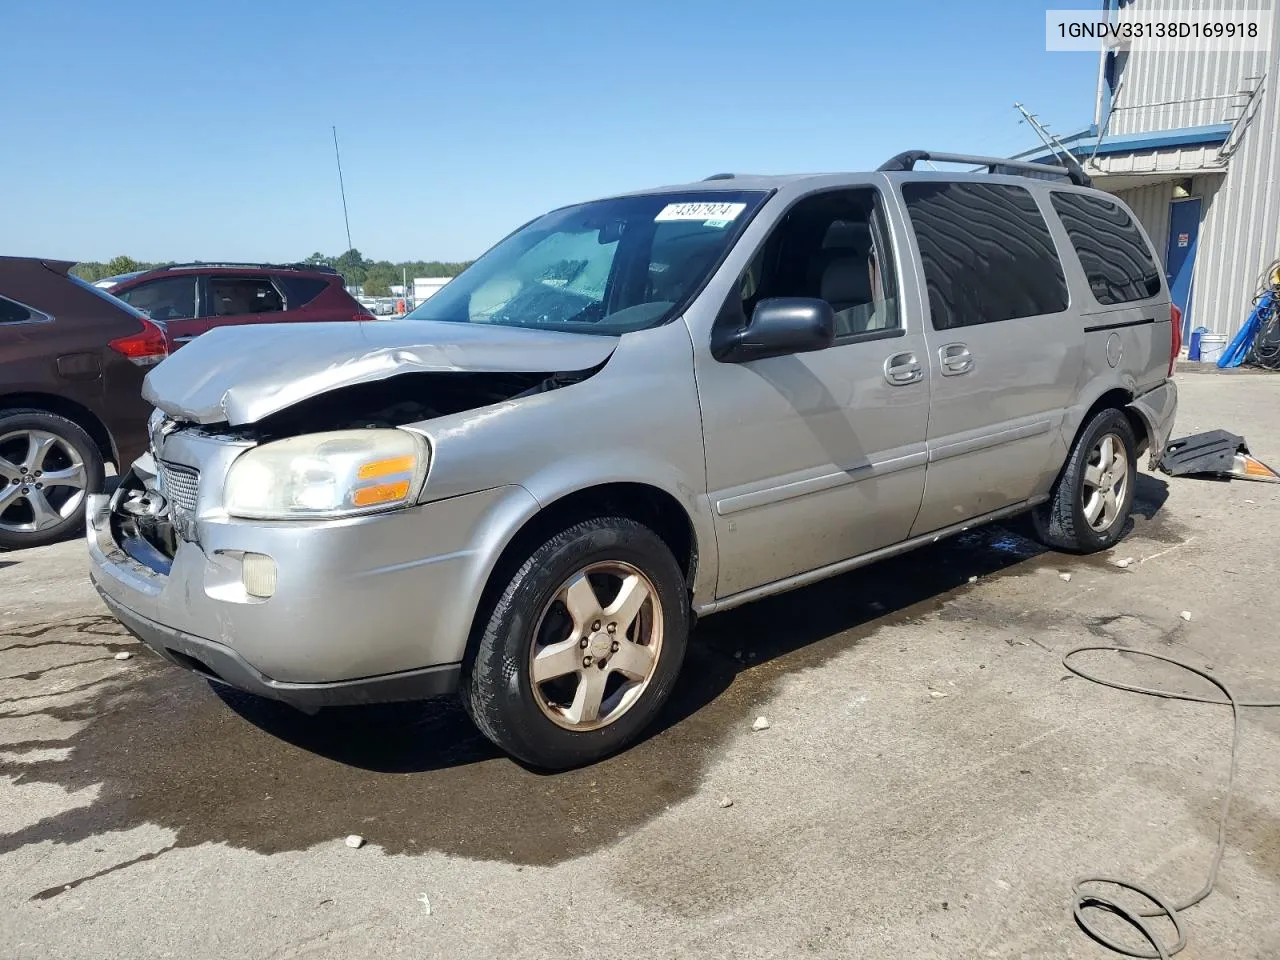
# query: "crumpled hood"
[241,374]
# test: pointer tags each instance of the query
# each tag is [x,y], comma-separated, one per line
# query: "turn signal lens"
[383,468]
[381,493]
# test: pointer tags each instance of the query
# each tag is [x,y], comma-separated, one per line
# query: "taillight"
[1175,337]
[145,348]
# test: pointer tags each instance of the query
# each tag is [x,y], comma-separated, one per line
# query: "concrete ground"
[931,781]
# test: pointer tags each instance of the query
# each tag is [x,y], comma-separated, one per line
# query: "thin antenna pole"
[341,188]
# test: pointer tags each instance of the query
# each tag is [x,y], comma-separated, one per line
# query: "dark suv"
[190,298]
[72,359]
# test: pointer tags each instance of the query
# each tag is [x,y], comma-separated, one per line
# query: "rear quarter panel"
[1126,346]
[68,356]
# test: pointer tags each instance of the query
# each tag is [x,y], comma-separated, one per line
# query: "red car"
[190,298]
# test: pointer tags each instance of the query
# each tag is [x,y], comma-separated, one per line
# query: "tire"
[1063,522]
[66,452]
[542,724]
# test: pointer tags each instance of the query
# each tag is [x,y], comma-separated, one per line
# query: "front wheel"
[1089,507]
[582,646]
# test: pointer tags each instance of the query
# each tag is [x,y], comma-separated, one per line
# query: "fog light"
[259,574]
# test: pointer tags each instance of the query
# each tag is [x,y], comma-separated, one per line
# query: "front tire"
[48,466]
[582,646]
[1089,507]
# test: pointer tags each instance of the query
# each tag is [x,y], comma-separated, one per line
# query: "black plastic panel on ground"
[986,251]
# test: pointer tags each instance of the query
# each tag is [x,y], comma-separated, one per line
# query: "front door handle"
[903,368]
[955,359]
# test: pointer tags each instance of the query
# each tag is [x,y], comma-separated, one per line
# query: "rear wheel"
[582,646]
[48,466]
[1090,504]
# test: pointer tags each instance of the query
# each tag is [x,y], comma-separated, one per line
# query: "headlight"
[327,475]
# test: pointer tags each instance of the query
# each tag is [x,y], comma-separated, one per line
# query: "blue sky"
[185,130]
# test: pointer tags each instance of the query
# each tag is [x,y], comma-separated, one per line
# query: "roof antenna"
[1051,141]
[341,189]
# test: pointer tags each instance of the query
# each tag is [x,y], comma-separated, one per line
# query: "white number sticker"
[727,212]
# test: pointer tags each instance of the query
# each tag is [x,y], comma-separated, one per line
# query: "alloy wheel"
[43,480]
[596,646]
[1106,481]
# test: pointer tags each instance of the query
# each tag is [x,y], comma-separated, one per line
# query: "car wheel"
[1090,504]
[48,466]
[582,646]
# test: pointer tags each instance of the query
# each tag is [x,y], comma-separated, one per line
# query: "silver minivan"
[630,413]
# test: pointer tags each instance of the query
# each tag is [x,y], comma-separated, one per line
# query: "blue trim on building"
[1083,143]
[1181,137]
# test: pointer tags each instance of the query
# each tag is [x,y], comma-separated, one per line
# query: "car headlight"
[334,474]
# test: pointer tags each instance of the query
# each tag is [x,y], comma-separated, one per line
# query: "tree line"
[376,276]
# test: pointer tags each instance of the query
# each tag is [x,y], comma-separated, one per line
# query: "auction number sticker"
[715,214]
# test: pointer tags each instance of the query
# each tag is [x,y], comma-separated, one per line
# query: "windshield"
[606,267]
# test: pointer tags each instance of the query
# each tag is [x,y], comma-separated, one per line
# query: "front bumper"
[368,608]
[222,664]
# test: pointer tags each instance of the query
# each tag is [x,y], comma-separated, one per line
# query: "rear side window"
[986,251]
[172,298]
[236,296]
[11,312]
[301,290]
[1116,259]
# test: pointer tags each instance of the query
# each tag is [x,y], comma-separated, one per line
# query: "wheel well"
[1118,399]
[655,508]
[73,411]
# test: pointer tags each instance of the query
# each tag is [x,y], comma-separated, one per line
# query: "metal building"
[1191,142]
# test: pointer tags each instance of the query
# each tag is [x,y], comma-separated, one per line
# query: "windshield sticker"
[717,214]
[717,224]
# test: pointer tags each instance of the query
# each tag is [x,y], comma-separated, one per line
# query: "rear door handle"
[955,359]
[903,368]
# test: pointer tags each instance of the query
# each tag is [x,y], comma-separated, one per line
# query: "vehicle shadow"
[802,627]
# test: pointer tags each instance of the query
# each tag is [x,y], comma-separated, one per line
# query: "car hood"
[241,374]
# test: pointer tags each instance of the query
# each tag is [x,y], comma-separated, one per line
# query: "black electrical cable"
[1085,899]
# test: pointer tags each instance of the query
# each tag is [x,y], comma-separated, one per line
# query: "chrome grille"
[181,484]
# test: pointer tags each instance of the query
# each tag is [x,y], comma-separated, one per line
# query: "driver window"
[833,247]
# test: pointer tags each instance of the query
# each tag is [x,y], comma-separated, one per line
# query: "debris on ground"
[1216,453]
[123,655]
[1065,577]
[1127,561]
[1185,614]
[973,579]
[937,694]
[355,841]
[426,903]
[725,803]
[762,723]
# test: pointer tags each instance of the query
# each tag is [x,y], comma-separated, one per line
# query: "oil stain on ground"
[221,767]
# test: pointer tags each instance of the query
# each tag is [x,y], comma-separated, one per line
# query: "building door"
[1180,261]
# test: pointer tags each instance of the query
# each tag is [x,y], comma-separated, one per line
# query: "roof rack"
[219,264]
[1069,169]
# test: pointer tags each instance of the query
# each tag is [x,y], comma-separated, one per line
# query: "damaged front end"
[238,389]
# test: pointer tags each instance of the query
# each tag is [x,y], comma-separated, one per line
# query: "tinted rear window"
[301,290]
[1116,259]
[986,251]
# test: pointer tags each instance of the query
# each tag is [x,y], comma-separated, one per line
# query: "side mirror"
[779,326]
